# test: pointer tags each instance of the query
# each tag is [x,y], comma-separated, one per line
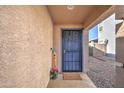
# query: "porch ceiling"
[81,14]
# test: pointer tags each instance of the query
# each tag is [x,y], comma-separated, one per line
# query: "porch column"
[85,51]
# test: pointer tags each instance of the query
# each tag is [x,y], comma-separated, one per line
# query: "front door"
[72,50]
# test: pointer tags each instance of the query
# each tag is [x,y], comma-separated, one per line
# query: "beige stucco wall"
[120,44]
[57,40]
[120,56]
[25,42]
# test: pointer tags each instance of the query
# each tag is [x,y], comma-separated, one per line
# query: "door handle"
[64,51]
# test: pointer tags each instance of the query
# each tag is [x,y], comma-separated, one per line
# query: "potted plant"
[53,73]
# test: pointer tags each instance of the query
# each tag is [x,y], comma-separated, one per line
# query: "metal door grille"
[71,50]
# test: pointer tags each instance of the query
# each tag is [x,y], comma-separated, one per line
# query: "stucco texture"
[25,42]
[119,44]
[120,56]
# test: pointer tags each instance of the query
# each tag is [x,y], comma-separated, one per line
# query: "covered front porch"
[70,34]
[66,44]
[30,34]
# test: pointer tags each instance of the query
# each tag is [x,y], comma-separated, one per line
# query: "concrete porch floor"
[60,83]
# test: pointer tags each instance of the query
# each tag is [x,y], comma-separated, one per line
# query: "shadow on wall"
[95,52]
[119,77]
[119,55]
[119,49]
[119,58]
[100,50]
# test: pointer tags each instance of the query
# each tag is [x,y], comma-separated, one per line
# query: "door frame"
[62,53]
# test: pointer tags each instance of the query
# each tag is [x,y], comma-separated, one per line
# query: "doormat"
[71,76]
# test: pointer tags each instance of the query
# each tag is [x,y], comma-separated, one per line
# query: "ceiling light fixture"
[70,7]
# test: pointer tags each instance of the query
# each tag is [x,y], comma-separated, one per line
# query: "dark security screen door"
[72,50]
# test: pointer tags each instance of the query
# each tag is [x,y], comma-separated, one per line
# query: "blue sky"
[93,33]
